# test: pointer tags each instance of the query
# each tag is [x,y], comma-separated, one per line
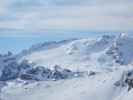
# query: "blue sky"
[31,21]
[17,44]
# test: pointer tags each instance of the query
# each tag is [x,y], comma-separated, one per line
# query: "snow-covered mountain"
[81,69]
[81,54]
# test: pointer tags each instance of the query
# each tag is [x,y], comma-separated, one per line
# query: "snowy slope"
[76,55]
[99,87]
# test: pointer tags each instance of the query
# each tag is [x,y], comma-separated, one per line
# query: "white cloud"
[79,15]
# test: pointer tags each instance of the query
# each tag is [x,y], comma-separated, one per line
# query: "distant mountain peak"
[123,35]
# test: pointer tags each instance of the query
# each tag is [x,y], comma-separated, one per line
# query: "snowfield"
[77,69]
[99,87]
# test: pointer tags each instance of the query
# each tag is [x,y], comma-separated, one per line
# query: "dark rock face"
[130,83]
[13,70]
[27,77]
[116,54]
[126,80]
[129,80]
[41,73]
[38,73]
[58,75]
[10,72]
[26,71]
[92,73]
[24,65]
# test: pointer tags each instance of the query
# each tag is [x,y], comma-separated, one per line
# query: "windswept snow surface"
[99,87]
[106,63]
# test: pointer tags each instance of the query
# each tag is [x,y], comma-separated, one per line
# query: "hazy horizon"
[16,44]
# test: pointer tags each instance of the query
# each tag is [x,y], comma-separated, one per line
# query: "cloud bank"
[32,16]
